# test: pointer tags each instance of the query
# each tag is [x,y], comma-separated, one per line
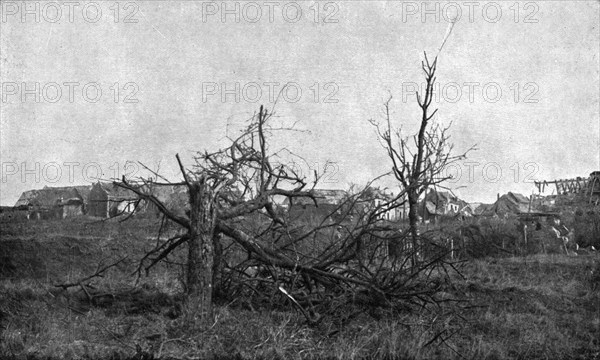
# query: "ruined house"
[394,210]
[439,204]
[54,202]
[25,200]
[109,200]
[510,204]
[480,208]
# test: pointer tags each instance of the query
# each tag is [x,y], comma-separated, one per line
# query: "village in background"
[107,200]
[537,214]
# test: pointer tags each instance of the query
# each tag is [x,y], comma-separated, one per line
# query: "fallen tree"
[242,245]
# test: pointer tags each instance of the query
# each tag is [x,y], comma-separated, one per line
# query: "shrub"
[586,222]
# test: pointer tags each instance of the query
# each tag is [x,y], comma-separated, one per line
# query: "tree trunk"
[413,221]
[217,263]
[198,303]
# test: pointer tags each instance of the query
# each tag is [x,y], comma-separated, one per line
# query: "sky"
[92,89]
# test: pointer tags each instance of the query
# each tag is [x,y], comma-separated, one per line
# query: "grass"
[538,307]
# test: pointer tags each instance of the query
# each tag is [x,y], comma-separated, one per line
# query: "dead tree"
[418,160]
[222,186]
[336,258]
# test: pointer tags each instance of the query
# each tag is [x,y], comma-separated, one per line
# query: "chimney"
[498,197]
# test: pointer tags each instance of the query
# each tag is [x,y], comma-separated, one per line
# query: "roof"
[322,196]
[26,197]
[54,196]
[519,198]
[116,192]
[446,196]
[436,203]
[49,196]
[84,191]
[431,208]
[483,209]
[511,203]
[475,206]
[441,197]
[372,194]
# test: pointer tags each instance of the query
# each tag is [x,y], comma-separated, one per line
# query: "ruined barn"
[510,204]
[109,200]
[54,202]
[439,204]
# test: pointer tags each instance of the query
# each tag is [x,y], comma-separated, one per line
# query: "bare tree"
[239,240]
[418,160]
[222,186]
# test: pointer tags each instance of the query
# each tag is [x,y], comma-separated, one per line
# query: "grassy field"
[539,307]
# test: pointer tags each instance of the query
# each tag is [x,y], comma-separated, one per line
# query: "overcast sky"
[519,79]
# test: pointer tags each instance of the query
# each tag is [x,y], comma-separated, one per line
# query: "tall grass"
[535,307]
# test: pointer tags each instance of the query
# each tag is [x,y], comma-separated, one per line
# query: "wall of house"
[98,203]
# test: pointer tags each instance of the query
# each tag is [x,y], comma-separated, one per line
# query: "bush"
[479,238]
[586,222]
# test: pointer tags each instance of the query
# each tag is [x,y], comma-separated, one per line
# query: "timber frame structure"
[588,186]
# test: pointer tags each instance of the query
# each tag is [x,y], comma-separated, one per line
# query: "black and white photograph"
[299,179]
